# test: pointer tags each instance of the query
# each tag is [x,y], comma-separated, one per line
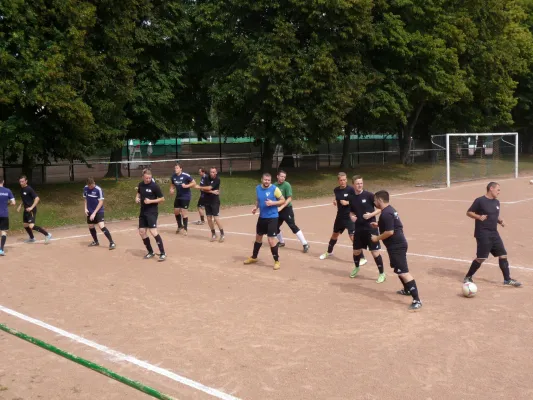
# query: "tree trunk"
[406,140]
[345,159]
[115,170]
[27,165]
[268,155]
[288,159]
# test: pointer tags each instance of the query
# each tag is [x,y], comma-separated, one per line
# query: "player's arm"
[12,200]
[159,197]
[138,196]
[172,189]
[473,211]
[280,199]
[387,223]
[192,183]
[256,206]
[36,200]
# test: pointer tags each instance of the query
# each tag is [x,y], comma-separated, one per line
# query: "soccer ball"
[469,289]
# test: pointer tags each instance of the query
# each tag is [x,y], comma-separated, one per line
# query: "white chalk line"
[117,356]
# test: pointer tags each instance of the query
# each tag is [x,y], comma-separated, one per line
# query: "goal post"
[473,156]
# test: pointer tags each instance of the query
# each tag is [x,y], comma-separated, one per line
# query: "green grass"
[62,204]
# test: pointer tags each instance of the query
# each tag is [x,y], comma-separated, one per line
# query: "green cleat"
[354,273]
[381,278]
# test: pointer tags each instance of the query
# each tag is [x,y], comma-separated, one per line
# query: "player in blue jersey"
[181,183]
[94,210]
[6,199]
[268,199]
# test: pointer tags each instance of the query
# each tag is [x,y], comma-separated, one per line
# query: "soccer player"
[29,202]
[6,199]
[268,199]
[211,191]
[486,211]
[343,195]
[149,196]
[94,210]
[391,229]
[204,176]
[182,183]
[286,213]
[363,213]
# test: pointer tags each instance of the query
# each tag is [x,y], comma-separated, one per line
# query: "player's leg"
[398,261]
[484,246]
[260,231]
[215,209]
[4,227]
[185,215]
[158,239]
[210,221]
[26,218]
[357,247]
[338,229]
[105,231]
[272,227]
[33,216]
[177,214]
[350,227]
[143,225]
[498,250]
[281,220]
[92,231]
[374,250]
[291,222]
[201,212]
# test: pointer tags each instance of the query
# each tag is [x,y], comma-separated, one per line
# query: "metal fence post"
[230,168]
[116,171]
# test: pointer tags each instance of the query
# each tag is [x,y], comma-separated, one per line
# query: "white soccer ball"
[469,289]
[531,182]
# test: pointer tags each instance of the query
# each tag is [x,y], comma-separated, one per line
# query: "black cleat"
[404,292]
[281,244]
[162,257]
[306,248]
[94,244]
[149,255]
[468,279]
[112,246]
[415,305]
[512,282]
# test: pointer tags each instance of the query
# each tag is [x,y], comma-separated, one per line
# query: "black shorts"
[344,223]
[29,216]
[148,221]
[361,240]
[200,203]
[4,223]
[267,226]
[398,260]
[490,244]
[287,215]
[212,209]
[181,203]
[99,217]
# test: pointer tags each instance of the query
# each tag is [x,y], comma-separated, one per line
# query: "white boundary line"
[117,356]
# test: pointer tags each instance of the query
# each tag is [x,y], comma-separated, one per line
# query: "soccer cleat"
[162,257]
[325,255]
[306,248]
[362,262]
[200,222]
[112,246]
[250,260]
[403,292]
[2,253]
[281,244]
[94,244]
[381,278]
[32,240]
[149,255]
[354,272]
[213,238]
[178,230]
[185,233]
[468,279]
[512,283]
[222,238]
[276,265]
[415,305]
[48,238]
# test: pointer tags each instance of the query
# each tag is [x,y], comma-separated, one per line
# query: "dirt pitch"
[307,331]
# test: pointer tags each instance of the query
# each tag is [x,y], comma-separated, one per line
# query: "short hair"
[147,171]
[90,181]
[341,174]
[215,168]
[281,172]
[383,195]
[267,175]
[178,164]
[356,177]
[202,169]
[23,177]
[492,185]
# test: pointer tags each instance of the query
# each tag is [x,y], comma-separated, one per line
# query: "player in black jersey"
[204,176]
[29,203]
[391,229]
[343,195]
[363,213]
[149,196]
[486,211]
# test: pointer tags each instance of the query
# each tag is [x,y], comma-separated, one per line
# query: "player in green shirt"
[286,213]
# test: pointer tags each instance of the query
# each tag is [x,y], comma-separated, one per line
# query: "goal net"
[460,157]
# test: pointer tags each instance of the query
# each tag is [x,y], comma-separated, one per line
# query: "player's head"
[282,175]
[357,181]
[343,179]
[91,183]
[493,190]
[381,199]
[266,179]
[178,168]
[201,171]
[147,176]
[23,181]
[213,172]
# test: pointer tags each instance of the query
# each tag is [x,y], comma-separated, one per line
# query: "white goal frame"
[448,135]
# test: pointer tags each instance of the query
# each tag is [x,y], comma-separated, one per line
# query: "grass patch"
[62,204]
